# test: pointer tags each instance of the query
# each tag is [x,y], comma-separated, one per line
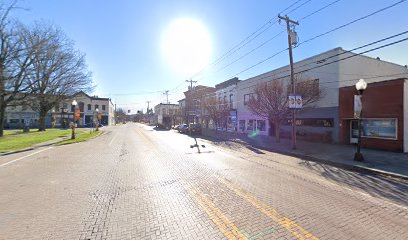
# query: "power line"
[354,21]
[270,39]
[251,37]
[320,35]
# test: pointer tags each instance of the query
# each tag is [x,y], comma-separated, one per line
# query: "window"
[251,125]
[312,122]
[231,101]
[81,106]
[242,125]
[260,125]
[103,107]
[248,97]
[89,107]
[379,128]
[96,106]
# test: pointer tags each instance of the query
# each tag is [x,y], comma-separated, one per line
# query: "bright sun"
[186,45]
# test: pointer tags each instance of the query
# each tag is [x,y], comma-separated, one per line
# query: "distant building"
[195,110]
[227,98]
[166,115]
[61,115]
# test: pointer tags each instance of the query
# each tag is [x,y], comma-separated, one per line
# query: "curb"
[354,168]
[18,151]
[43,145]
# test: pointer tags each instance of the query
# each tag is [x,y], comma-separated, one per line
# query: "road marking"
[291,226]
[29,155]
[112,139]
[223,223]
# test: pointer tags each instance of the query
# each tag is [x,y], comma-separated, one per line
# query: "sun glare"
[186,45]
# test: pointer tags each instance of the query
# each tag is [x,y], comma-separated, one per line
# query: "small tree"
[271,100]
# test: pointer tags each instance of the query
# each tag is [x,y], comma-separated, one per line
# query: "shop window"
[379,128]
[242,125]
[251,125]
[260,125]
[312,122]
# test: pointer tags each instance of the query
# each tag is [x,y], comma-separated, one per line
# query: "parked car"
[182,128]
[194,128]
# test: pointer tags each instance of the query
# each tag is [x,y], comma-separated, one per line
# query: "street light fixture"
[74,103]
[361,85]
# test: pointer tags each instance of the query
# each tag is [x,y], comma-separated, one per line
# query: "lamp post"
[97,120]
[74,103]
[361,85]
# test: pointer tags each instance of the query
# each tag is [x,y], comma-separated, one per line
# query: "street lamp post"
[97,120]
[361,85]
[74,103]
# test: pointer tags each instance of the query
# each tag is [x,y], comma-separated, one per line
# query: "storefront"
[382,115]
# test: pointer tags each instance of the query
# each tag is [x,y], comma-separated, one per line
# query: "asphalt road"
[135,182]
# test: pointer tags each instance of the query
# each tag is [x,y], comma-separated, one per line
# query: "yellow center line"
[291,226]
[223,223]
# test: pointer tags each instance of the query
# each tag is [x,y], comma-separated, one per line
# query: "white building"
[62,115]
[227,93]
[332,70]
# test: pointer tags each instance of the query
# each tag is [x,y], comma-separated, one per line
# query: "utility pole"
[167,96]
[191,83]
[191,98]
[292,79]
[148,102]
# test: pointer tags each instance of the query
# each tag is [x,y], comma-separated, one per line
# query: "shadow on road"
[373,185]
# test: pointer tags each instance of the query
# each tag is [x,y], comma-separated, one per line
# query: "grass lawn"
[14,140]
[80,138]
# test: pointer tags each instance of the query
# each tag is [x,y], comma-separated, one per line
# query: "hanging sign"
[295,102]
[357,106]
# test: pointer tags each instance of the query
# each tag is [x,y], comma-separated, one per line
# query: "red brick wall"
[380,100]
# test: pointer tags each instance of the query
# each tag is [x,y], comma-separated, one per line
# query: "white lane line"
[29,155]
[112,140]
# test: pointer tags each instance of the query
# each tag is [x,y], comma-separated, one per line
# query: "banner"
[357,106]
[77,114]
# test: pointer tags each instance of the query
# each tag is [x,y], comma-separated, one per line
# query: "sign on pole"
[357,106]
[292,100]
[295,102]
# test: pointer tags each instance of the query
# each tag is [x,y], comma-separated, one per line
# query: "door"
[353,131]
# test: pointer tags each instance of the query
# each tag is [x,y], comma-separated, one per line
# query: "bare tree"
[271,100]
[58,70]
[217,110]
[15,59]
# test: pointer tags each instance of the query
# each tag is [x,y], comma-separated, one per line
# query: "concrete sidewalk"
[339,155]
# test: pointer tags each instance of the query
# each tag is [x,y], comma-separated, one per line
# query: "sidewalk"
[376,161]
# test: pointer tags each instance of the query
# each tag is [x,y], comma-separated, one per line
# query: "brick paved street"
[137,183]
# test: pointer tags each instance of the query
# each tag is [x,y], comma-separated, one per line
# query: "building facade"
[383,117]
[169,111]
[194,104]
[227,95]
[331,70]
[90,109]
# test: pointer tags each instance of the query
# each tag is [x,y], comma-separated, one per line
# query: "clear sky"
[137,49]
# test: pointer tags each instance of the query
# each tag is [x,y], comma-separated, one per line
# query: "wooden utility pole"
[167,96]
[292,78]
[191,98]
